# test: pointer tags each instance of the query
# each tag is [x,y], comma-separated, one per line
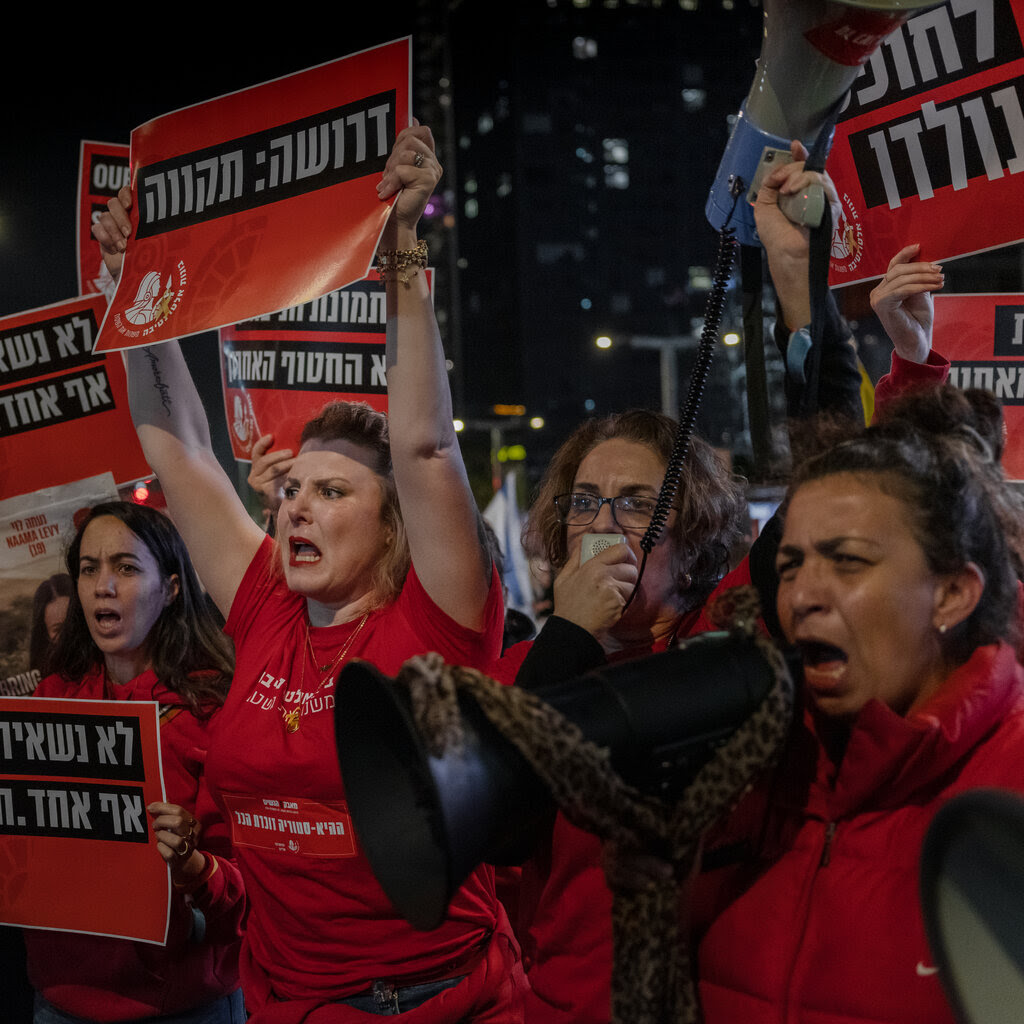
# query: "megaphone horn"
[426,815]
[811,54]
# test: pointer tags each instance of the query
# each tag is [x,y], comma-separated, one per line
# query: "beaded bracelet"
[400,260]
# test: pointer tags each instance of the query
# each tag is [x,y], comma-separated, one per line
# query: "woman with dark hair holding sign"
[378,555]
[138,628]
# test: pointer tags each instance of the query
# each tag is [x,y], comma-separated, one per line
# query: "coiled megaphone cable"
[713,309]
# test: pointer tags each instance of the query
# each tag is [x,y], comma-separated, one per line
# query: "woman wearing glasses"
[605,479]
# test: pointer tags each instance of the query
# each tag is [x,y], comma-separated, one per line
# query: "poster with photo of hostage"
[35,530]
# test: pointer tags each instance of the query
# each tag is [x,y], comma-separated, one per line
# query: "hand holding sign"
[177,835]
[257,200]
[412,170]
[903,302]
[113,229]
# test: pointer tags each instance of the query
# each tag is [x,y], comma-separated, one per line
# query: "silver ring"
[418,160]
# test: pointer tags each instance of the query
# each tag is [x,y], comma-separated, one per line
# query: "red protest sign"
[75,779]
[102,171]
[279,370]
[63,409]
[258,200]
[983,337]
[930,147]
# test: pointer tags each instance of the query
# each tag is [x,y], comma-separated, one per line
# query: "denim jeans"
[227,1010]
[393,1002]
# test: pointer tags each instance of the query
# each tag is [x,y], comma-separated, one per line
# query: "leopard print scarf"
[652,979]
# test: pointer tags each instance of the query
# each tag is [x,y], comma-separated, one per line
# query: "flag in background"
[505,518]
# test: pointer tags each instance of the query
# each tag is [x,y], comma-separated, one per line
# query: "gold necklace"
[292,717]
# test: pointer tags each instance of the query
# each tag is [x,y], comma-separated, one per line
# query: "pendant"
[291,719]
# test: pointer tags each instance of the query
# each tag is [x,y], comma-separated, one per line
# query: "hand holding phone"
[805,207]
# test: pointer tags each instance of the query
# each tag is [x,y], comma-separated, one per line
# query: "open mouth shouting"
[824,665]
[302,552]
[107,621]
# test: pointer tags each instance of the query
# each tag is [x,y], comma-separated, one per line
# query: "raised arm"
[787,249]
[175,436]
[785,243]
[440,514]
[903,302]
[171,423]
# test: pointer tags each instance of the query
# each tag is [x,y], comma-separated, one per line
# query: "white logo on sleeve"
[924,971]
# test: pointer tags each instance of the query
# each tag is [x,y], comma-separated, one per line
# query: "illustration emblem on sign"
[847,237]
[154,302]
[149,304]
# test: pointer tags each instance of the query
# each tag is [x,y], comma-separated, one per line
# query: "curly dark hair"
[936,453]
[190,654]
[712,505]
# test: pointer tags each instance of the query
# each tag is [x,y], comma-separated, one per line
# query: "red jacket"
[560,904]
[106,979]
[820,923]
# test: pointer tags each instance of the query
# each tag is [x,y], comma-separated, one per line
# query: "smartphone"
[771,159]
[806,207]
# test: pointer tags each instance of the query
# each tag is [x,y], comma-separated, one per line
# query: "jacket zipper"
[823,861]
[826,852]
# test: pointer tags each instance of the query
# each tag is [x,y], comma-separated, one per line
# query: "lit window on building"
[616,151]
[694,99]
[584,48]
[699,278]
[615,176]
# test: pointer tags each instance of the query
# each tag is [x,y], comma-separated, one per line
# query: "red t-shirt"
[320,926]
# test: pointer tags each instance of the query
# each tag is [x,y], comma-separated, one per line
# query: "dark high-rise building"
[585,138]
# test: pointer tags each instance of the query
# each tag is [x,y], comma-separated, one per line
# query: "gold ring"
[185,851]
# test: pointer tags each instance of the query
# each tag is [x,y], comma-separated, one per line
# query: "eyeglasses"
[629,511]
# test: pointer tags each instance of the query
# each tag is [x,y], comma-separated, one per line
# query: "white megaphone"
[811,54]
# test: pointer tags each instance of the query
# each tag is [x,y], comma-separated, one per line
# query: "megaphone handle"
[809,206]
[805,207]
